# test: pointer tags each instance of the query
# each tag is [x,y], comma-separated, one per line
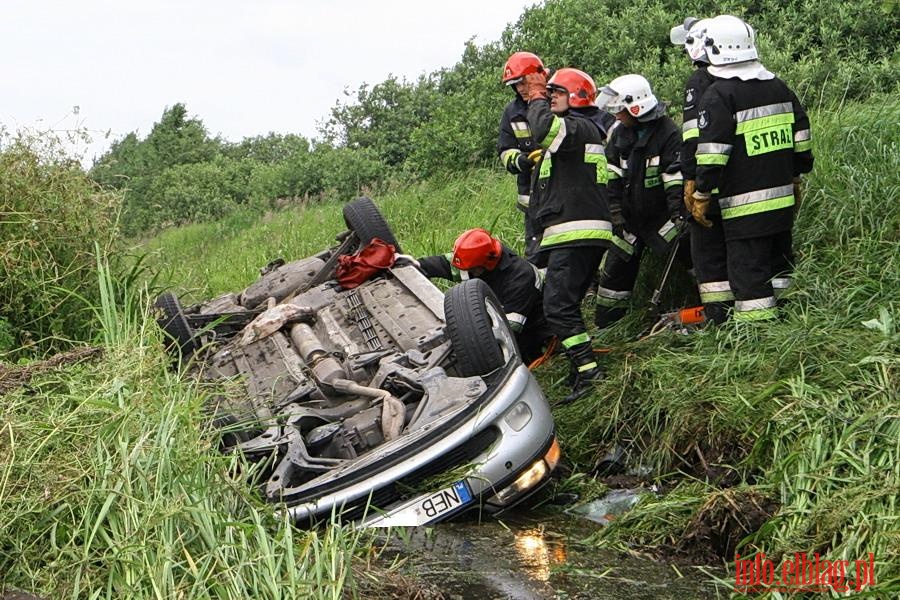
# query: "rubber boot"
[587,371]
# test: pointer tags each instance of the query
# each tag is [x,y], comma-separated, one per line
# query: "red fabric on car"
[365,264]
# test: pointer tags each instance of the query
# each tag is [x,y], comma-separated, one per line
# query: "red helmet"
[519,65]
[578,84]
[476,248]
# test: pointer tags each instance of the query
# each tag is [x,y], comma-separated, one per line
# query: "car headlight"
[532,476]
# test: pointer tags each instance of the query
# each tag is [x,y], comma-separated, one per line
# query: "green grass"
[109,486]
[805,412]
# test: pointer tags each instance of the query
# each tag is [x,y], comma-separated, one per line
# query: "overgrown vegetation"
[51,216]
[108,487]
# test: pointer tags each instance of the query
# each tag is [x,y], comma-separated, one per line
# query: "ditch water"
[535,555]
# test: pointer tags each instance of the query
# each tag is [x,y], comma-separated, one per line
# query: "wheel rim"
[501,332]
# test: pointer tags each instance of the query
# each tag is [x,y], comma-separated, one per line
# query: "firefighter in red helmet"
[515,142]
[569,203]
[516,282]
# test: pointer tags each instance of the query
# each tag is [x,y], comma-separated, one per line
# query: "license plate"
[426,509]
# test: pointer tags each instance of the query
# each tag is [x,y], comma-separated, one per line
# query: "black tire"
[477,328]
[364,218]
[181,341]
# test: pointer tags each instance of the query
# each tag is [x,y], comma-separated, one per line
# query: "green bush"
[51,215]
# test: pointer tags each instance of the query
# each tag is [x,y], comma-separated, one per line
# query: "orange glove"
[698,210]
[689,186]
[535,86]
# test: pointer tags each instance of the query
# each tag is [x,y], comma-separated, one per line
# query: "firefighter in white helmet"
[754,143]
[645,188]
[707,243]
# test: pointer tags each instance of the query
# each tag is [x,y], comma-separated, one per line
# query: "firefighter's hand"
[407,259]
[699,206]
[798,194]
[689,186]
[536,155]
[524,163]
[535,86]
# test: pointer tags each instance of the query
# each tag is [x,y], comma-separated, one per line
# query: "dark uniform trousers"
[569,273]
[760,267]
[710,257]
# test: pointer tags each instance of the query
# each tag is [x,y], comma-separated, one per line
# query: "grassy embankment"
[107,488]
[110,488]
[796,422]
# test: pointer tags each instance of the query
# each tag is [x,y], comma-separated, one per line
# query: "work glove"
[798,194]
[699,207]
[676,210]
[689,186]
[535,86]
[407,259]
[617,219]
[524,163]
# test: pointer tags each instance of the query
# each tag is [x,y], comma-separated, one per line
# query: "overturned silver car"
[391,402]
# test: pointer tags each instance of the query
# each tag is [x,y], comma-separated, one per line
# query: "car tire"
[181,341]
[364,218]
[476,325]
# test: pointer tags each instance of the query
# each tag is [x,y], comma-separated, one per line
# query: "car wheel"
[477,327]
[181,341]
[363,217]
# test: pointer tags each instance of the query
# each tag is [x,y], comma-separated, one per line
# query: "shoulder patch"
[702,120]
[689,95]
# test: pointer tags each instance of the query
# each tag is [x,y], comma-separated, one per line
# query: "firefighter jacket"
[693,90]
[568,190]
[515,139]
[754,139]
[645,178]
[516,282]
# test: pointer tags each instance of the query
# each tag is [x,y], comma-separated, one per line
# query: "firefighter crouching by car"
[707,243]
[516,141]
[568,200]
[754,144]
[644,189]
[516,282]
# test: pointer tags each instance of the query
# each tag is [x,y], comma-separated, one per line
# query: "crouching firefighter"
[754,144]
[516,142]
[645,189]
[568,200]
[516,282]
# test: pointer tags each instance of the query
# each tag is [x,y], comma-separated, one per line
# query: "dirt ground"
[15,376]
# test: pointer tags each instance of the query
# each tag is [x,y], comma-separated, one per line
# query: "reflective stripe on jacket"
[568,196]
[515,138]
[645,178]
[754,139]
[693,91]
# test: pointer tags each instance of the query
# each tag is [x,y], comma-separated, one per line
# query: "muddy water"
[536,556]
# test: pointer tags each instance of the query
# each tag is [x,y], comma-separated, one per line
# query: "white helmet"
[695,42]
[628,92]
[729,40]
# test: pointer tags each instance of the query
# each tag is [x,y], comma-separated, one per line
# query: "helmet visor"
[608,100]
[678,34]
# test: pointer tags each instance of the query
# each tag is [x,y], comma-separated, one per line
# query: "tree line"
[446,121]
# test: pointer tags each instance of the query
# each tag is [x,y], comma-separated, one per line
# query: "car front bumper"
[523,431]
